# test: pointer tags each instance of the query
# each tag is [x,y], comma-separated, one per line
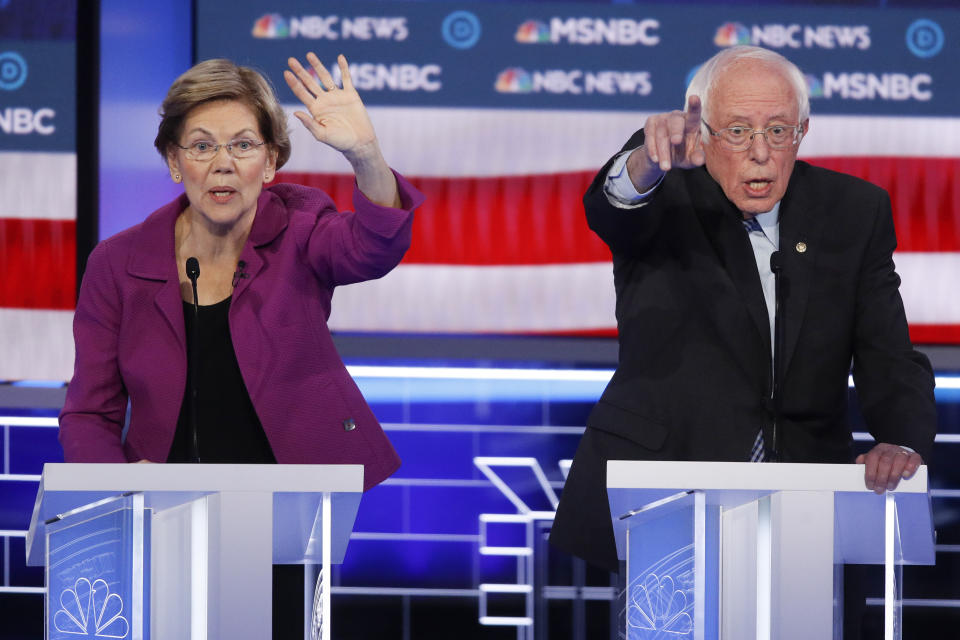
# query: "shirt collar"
[769,219]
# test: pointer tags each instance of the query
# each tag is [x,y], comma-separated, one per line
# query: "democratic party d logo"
[13,70]
[461,29]
[924,38]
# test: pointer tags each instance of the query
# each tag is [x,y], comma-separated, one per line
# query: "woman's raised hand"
[336,116]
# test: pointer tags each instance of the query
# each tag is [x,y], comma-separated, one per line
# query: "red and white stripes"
[501,245]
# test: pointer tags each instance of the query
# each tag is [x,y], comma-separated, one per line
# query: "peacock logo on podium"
[91,610]
[658,607]
[660,598]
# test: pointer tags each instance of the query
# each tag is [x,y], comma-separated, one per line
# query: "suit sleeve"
[366,243]
[625,231]
[894,382]
[92,418]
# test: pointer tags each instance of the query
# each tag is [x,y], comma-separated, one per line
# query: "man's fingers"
[913,463]
[886,473]
[870,462]
[697,156]
[886,464]
[662,143]
[898,463]
[693,114]
[676,126]
[650,138]
[870,472]
[905,464]
[672,139]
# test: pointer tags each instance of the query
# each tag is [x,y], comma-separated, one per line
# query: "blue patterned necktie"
[757,452]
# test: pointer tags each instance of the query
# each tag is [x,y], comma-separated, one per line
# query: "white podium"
[755,551]
[181,550]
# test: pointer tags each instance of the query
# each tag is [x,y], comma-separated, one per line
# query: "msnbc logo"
[730,34]
[271,26]
[532,32]
[514,80]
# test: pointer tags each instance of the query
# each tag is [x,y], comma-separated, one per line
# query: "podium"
[184,551]
[756,551]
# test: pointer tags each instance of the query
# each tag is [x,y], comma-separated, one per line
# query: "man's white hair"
[705,80]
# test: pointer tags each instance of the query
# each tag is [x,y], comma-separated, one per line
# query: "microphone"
[240,273]
[776,262]
[193,272]
[776,266]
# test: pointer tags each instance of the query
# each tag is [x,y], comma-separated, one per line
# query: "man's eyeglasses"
[204,150]
[777,136]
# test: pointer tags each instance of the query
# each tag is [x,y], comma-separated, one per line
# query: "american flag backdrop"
[501,245]
[37,264]
[38,188]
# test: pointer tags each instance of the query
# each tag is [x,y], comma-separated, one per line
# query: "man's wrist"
[620,189]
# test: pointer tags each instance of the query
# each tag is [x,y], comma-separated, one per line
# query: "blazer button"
[349,424]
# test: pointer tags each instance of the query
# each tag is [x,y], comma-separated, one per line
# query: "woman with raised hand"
[237,364]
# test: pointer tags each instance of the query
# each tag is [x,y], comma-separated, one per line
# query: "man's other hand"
[886,464]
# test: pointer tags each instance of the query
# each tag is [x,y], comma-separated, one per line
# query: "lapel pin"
[801,247]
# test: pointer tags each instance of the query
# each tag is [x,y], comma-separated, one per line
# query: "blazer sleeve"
[894,382]
[92,418]
[366,243]
[625,231]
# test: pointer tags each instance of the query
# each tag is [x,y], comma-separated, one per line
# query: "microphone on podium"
[193,272]
[776,265]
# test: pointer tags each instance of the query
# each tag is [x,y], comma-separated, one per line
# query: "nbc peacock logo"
[730,34]
[514,80]
[271,26]
[814,85]
[532,32]
[90,610]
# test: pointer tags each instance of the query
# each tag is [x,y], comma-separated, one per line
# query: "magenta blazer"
[131,342]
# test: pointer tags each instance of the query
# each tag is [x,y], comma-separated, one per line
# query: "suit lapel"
[721,222]
[270,221]
[158,264]
[802,221]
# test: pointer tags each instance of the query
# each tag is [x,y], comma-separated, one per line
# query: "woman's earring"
[176,177]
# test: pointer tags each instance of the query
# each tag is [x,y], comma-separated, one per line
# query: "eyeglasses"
[777,136]
[204,150]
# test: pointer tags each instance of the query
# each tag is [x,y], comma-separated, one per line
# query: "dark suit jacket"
[694,377]
[131,339]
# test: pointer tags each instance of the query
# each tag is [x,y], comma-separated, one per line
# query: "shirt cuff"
[619,188]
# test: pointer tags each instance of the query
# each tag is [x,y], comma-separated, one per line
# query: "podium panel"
[97,558]
[195,542]
[672,572]
[758,547]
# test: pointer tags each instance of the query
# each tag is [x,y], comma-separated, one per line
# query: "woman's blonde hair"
[221,79]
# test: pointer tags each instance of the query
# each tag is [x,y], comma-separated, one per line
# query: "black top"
[228,427]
